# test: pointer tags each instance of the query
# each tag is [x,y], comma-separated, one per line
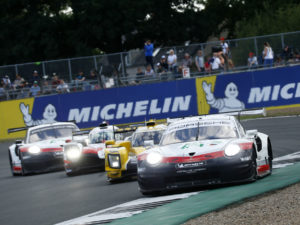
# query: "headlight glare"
[232,149]
[114,161]
[154,158]
[34,149]
[73,153]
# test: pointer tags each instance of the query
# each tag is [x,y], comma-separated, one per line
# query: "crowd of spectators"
[37,85]
[219,60]
[164,67]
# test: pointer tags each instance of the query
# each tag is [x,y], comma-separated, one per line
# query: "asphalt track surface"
[53,197]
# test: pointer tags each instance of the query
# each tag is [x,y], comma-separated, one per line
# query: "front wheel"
[70,172]
[11,164]
[254,166]
[270,156]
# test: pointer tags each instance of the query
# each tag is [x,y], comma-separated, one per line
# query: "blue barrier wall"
[202,95]
[121,105]
[264,88]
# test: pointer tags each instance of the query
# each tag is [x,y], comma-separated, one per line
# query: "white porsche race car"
[41,150]
[204,150]
[88,154]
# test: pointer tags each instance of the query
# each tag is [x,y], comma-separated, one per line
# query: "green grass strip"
[183,210]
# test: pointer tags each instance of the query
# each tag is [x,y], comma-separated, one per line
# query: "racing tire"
[71,173]
[150,193]
[270,156]
[11,164]
[254,166]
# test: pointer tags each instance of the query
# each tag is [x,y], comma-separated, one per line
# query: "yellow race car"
[121,157]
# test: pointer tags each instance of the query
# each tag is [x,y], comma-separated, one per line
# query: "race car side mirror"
[251,133]
[18,142]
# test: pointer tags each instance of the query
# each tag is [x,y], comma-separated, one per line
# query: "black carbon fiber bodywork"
[223,170]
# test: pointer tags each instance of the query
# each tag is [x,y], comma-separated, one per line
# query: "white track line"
[119,211]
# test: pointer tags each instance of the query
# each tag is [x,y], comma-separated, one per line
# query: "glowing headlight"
[34,149]
[114,161]
[73,153]
[154,158]
[232,149]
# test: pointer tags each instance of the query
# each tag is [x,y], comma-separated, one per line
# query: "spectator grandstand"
[120,69]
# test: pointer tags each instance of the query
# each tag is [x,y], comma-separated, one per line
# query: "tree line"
[35,30]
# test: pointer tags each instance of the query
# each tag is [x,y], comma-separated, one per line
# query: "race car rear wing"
[81,132]
[125,130]
[250,112]
[17,129]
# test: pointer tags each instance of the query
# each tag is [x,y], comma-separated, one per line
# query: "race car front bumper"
[43,162]
[86,162]
[130,171]
[168,176]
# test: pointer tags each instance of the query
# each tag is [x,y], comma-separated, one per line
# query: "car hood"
[53,143]
[195,148]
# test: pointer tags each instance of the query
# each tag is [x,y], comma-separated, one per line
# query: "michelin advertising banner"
[256,89]
[115,105]
[203,95]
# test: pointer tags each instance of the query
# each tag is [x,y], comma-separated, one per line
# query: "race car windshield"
[49,133]
[139,139]
[101,137]
[199,133]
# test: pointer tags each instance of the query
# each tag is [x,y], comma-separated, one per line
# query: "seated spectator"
[252,61]
[2,92]
[163,63]
[55,81]
[199,61]
[62,87]
[35,89]
[47,89]
[278,60]
[286,54]
[217,62]
[91,81]
[161,71]
[18,81]
[23,91]
[35,77]
[80,78]
[139,75]
[6,82]
[296,56]
[172,61]
[186,62]
[149,71]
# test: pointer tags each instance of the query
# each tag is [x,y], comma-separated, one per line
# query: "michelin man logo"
[49,115]
[229,103]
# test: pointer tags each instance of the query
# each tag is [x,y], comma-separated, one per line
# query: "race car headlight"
[232,149]
[154,158]
[73,153]
[114,161]
[34,149]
